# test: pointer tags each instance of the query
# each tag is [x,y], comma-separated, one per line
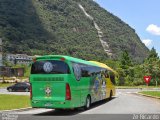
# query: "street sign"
[147,79]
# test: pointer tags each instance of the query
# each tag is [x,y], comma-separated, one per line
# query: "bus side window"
[112,77]
[91,71]
[77,71]
[85,71]
[93,74]
[106,74]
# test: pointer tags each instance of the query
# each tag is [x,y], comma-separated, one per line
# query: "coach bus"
[63,82]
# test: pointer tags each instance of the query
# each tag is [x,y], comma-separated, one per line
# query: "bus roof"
[104,66]
[66,58]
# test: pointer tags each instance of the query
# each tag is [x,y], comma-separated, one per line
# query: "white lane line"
[129,92]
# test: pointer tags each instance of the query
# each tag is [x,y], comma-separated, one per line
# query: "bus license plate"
[48,104]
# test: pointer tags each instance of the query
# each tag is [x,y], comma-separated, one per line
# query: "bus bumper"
[52,104]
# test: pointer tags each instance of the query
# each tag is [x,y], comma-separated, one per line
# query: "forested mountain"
[80,28]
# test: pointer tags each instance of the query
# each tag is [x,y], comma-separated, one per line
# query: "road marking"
[129,92]
[35,111]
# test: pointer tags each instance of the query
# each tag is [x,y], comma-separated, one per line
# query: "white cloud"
[147,42]
[153,29]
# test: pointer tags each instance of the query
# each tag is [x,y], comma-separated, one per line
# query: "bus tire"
[110,96]
[88,103]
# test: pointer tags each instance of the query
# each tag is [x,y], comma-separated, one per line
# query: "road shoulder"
[141,94]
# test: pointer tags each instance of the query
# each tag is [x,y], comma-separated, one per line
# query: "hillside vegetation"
[61,27]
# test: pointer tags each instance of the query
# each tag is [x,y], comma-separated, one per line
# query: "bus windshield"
[50,67]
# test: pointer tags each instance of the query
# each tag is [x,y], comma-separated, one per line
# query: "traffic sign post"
[147,79]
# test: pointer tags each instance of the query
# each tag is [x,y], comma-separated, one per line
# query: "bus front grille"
[48,79]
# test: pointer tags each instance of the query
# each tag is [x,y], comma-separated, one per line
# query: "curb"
[141,88]
[148,95]
[129,88]
[21,109]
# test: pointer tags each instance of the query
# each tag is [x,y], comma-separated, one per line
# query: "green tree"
[125,60]
[153,54]
[126,70]
[151,67]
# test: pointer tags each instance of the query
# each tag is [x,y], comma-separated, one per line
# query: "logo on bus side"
[96,84]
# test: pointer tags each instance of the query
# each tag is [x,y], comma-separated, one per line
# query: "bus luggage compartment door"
[51,90]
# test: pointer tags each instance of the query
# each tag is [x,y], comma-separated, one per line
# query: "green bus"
[64,82]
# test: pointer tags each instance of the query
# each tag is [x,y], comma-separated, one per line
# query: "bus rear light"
[68,92]
[30,91]
[63,59]
[34,59]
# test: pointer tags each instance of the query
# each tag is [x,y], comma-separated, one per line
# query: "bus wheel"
[110,97]
[88,103]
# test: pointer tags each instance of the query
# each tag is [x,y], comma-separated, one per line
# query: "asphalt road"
[4,91]
[126,105]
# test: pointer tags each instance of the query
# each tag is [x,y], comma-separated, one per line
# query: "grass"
[152,93]
[8,102]
[6,78]
[2,85]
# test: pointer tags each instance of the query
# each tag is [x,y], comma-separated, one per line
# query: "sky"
[141,15]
